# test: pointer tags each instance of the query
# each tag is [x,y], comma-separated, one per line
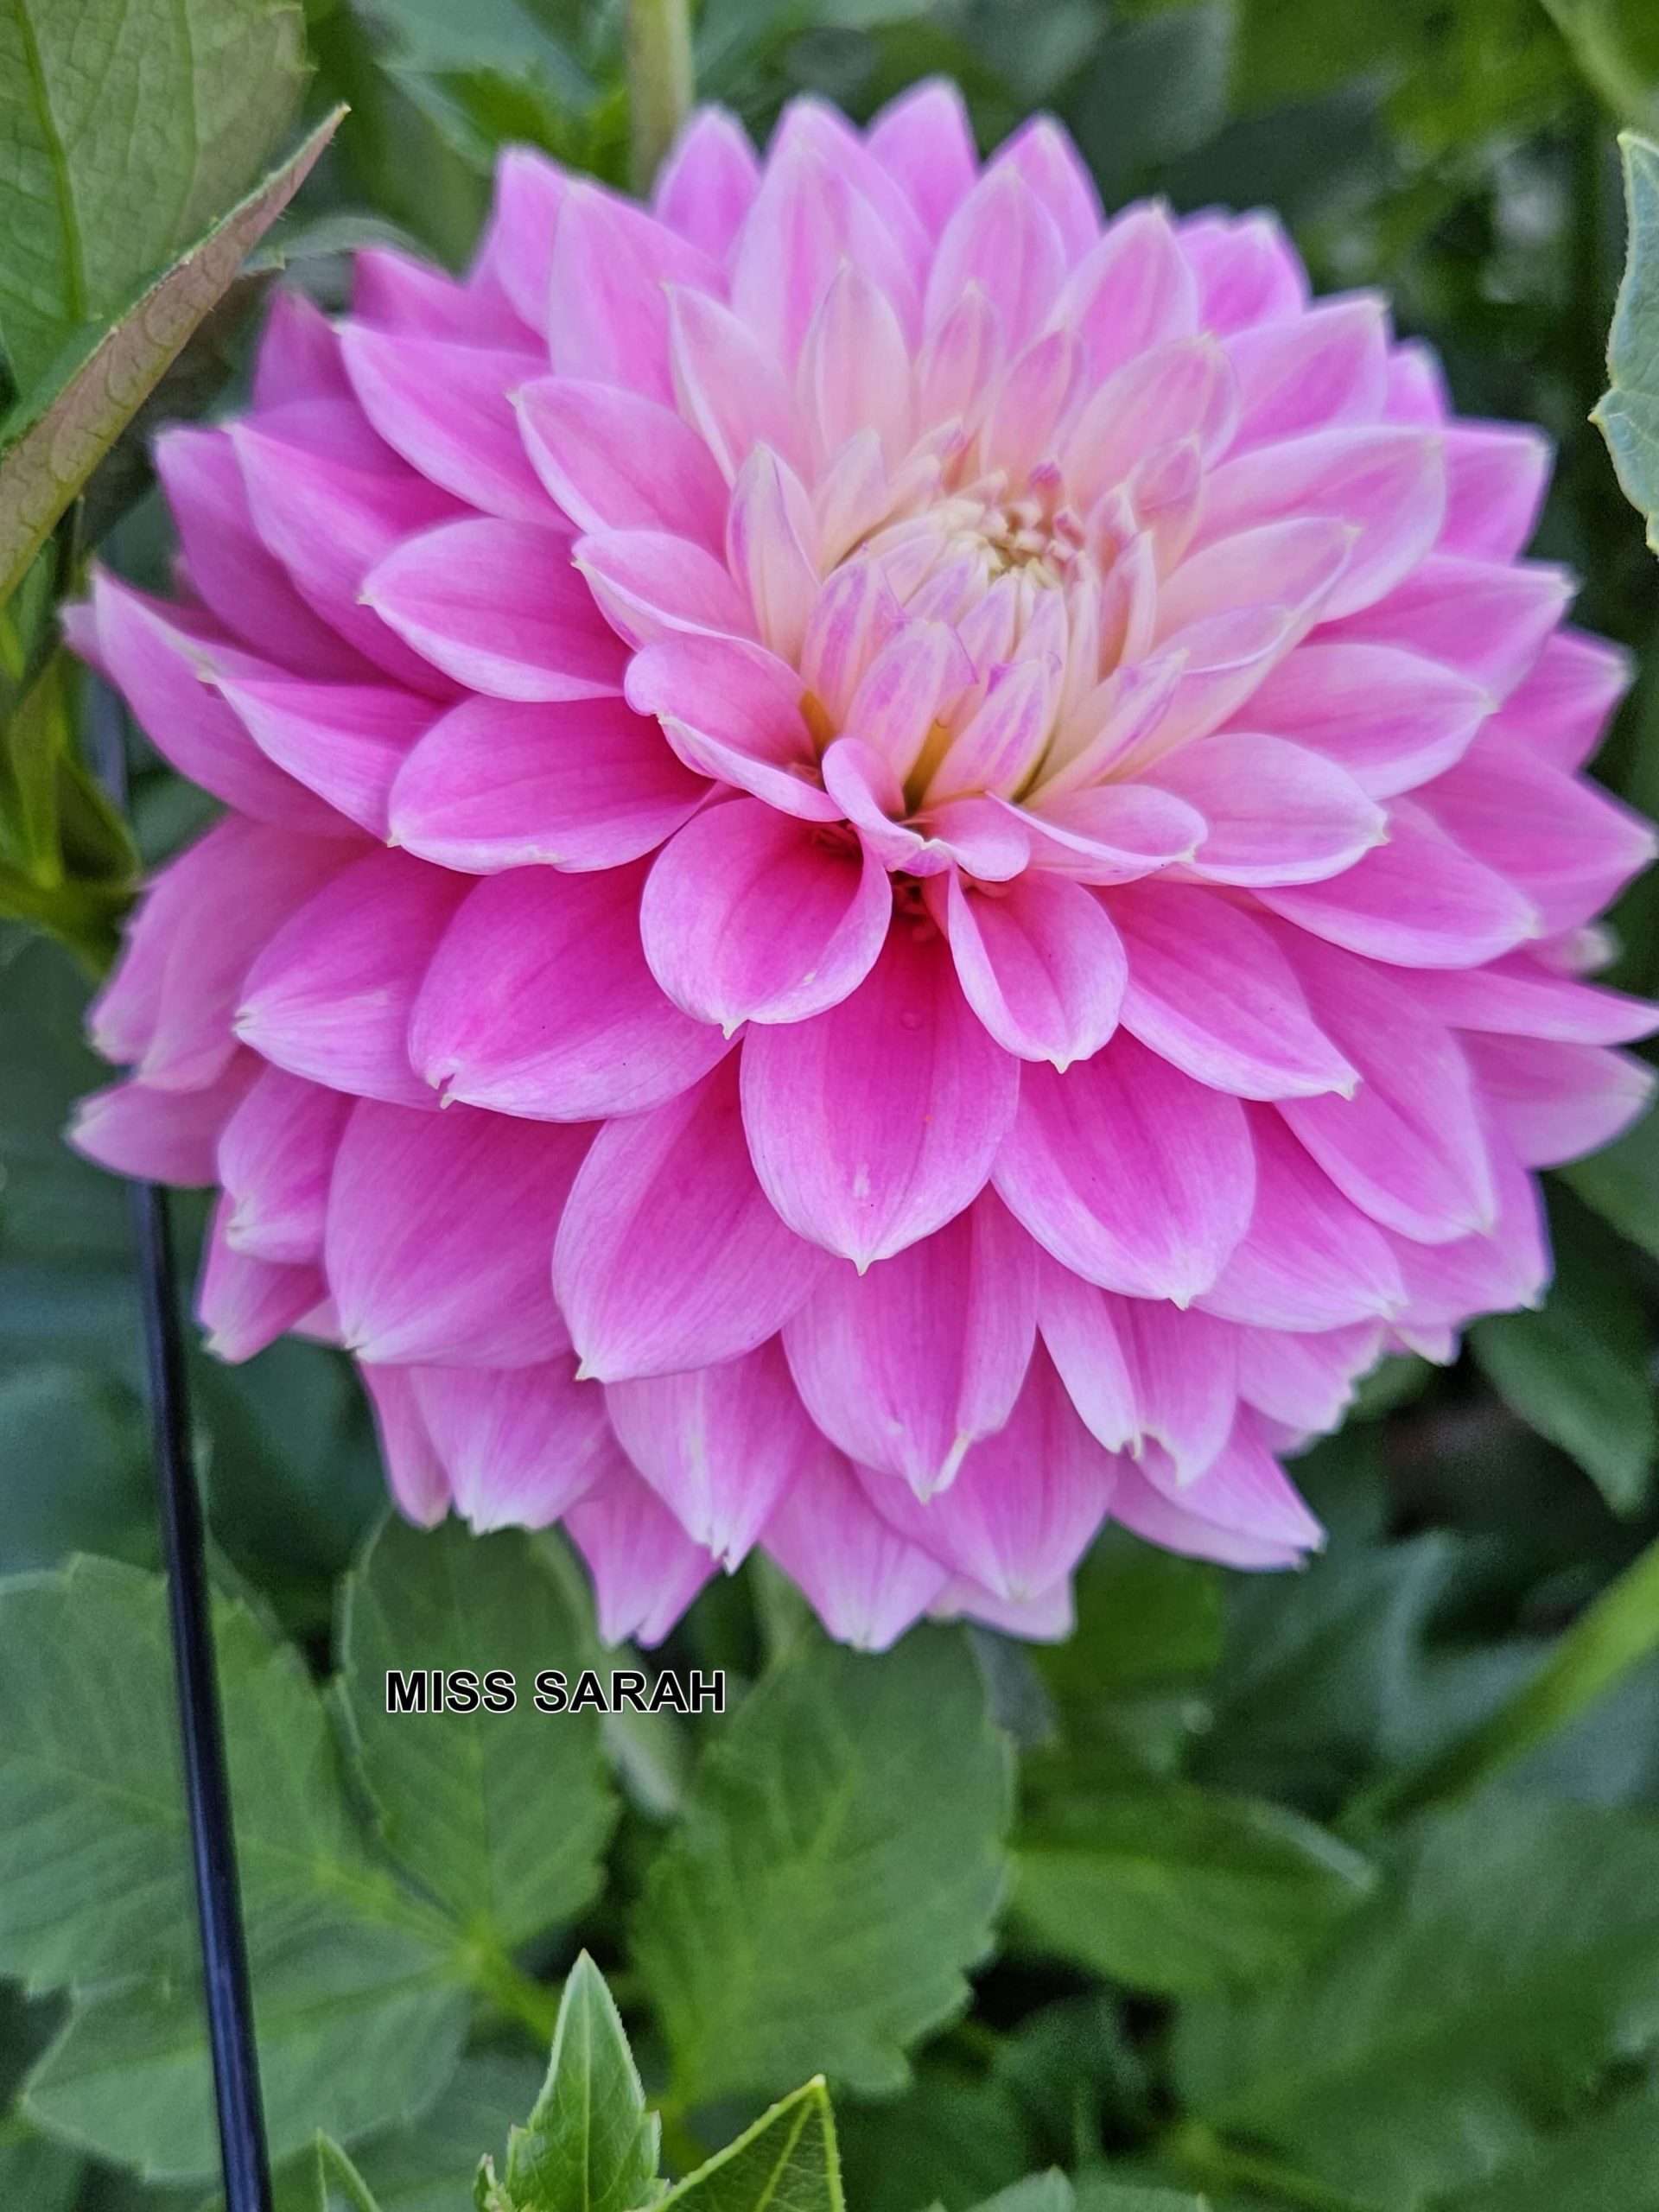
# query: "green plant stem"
[1614,1633]
[660,82]
[1202,2158]
[534,2005]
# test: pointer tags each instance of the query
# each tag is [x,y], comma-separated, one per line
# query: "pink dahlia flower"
[969,813]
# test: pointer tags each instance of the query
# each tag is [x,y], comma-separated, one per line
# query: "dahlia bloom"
[903,868]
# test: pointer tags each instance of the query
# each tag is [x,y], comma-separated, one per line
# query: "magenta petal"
[448,409]
[164,1136]
[651,585]
[670,1255]
[1392,719]
[733,710]
[244,1303]
[1185,1367]
[577,785]
[876,1121]
[645,1569]
[1145,1510]
[1311,371]
[1306,1382]
[720,1444]
[708,183]
[1496,477]
[1130,1174]
[1209,990]
[539,1002]
[394,292]
[344,741]
[1245,1493]
[607,301]
[905,1366]
[520,1444]
[516,257]
[416,1474]
[1505,1268]
[1561,710]
[1519,996]
[1091,1352]
[925,143]
[616,460]
[1555,1103]
[331,994]
[865,1584]
[440,1233]
[1277,813]
[1041,964]
[748,917]
[500,607]
[1025,1503]
[1487,618]
[298,354]
[276,1158]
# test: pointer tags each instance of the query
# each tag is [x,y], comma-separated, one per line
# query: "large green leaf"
[785,2163]
[835,1873]
[590,2144]
[124,130]
[1622,1183]
[1514,1948]
[1175,1889]
[1609,2159]
[35,2175]
[63,427]
[503,1815]
[1629,411]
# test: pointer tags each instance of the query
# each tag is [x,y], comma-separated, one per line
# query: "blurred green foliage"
[1203,1955]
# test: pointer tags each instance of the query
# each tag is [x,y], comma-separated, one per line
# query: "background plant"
[1337,1891]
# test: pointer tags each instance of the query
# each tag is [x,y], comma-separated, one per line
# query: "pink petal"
[448,409]
[1293,565]
[1390,718]
[1487,618]
[1041,964]
[1043,154]
[1130,1174]
[708,183]
[1244,1492]
[924,142]
[750,915]
[414,1470]
[439,1232]
[162,1136]
[875,1122]
[645,1568]
[670,1255]
[1004,240]
[1114,834]
[1247,270]
[607,311]
[1556,1103]
[1185,1369]
[276,1158]
[1561,709]
[1149,1513]
[1181,390]
[516,258]
[905,1365]
[768,531]
[900,693]
[498,607]
[330,997]
[1001,744]
[614,459]
[1091,1352]
[244,1303]
[520,1444]
[855,368]
[1312,372]
[865,1584]
[1134,289]
[1495,474]
[582,784]
[807,220]
[1498,1272]
[1209,991]
[1306,1382]
[393,291]
[539,1002]
[1518,995]
[733,710]
[729,387]
[719,1446]
[1277,813]
[298,355]
[651,585]
[344,741]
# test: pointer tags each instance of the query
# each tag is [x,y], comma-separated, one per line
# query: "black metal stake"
[207,1784]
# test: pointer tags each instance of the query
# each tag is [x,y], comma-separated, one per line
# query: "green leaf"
[35,2175]
[77,1469]
[1622,1183]
[503,1815]
[785,2163]
[1576,1370]
[1048,2192]
[835,1871]
[590,2144]
[1512,1951]
[1176,1888]
[1610,2158]
[1095,2193]
[339,2183]
[62,429]
[1616,44]
[950,2138]
[1628,411]
[123,131]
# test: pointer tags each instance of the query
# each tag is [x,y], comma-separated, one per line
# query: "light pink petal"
[1309,1259]
[1408,1146]
[1186,1370]
[1248,271]
[615,460]
[651,585]
[607,304]
[960,360]
[538,1002]
[1392,719]
[854,615]
[708,183]
[924,142]
[1417,386]
[1049,1618]
[244,1303]
[500,607]
[720,1446]
[670,1255]
[1025,1503]
[1043,154]
[448,409]
[344,741]
[1000,745]
[439,1234]
[900,696]
[1311,371]
[729,387]
[1419,901]
[1487,618]
[733,710]
[582,784]
[1556,1103]
[1004,240]
[645,1569]
[1130,1174]
[1145,1510]
[1080,1327]
[1210,990]
[1277,813]
[414,1470]
[1041,964]
[165,664]
[276,1158]
[1181,390]
[768,530]
[749,916]
[865,1584]
[520,1444]
[1496,476]
[1305,1381]
[1021,432]
[1519,996]
[855,368]
[906,1364]
[1134,288]
[1560,710]
[1243,1492]
[162,1136]
[875,1122]
[516,257]
[1293,565]
[807,220]
[1114,834]
[331,994]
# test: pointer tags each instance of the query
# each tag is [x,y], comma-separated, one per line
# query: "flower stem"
[1614,1633]
[660,84]
[534,2005]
